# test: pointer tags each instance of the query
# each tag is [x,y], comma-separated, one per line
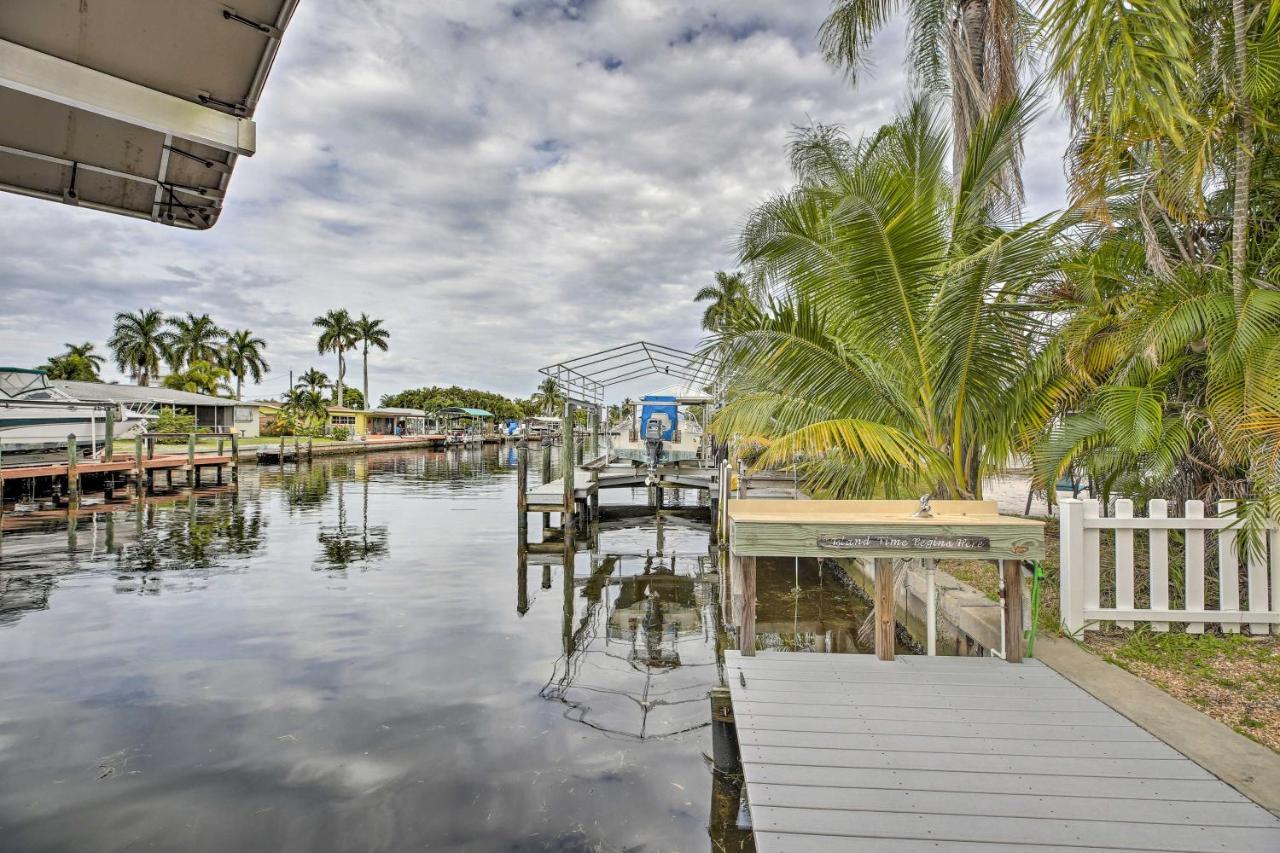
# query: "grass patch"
[1233,678]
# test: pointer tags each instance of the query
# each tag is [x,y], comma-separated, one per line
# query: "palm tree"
[199,377]
[304,406]
[900,354]
[313,380]
[369,332]
[86,351]
[1164,101]
[726,297]
[138,342]
[968,50]
[79,363]
[193,338]
[242,355]
[548,399]
[338,334]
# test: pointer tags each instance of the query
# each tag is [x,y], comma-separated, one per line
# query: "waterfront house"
[215,414]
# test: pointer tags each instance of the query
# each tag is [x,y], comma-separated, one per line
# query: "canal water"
[353,656]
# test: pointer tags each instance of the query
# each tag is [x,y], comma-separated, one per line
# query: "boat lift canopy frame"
[584,379]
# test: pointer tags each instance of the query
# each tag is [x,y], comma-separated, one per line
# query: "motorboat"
[36,419]
[658,433]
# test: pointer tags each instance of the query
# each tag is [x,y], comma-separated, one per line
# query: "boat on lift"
[658,433]
[36,419]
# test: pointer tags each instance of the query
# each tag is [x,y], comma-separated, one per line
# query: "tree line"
[898,325]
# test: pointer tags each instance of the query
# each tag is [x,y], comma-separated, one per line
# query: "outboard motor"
[653,447]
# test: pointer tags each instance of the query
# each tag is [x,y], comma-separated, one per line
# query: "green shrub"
[171,421]
[341,434]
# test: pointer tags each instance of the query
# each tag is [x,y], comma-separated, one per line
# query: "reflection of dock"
[844,752]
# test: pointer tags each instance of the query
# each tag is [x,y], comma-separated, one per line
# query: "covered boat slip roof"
[586,378]
[130,395]
[139,107]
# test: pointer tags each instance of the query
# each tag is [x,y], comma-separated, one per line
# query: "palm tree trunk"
[239,386]
[366,376]
[342,368]
[1244,160]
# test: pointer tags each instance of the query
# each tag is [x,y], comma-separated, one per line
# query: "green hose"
[1037,575]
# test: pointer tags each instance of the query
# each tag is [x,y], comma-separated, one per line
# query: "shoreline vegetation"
[897,325]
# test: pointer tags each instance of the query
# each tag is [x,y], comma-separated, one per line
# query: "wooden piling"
[73,476]
[522,489]
[742,479]
[747,619]
[235,457]
[884,615]
[109,435]
[567,464]
[139,469]
[191,460]
[1012,572]
[522,577]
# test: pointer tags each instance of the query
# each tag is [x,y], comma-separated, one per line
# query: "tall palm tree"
[369,332]
[548,399]
[968,50]
[242,355]
[86,351]
[138,343]
[313,380]
[193,338]
[900,354]
[337,334]
[1164,100]
[726,297]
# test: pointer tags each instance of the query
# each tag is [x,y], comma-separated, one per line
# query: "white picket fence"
[1081,573]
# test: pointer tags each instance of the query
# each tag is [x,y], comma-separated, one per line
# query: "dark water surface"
[343,658]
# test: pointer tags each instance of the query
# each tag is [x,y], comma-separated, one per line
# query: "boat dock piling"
[140,468]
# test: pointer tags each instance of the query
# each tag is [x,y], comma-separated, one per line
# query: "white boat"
[36,419]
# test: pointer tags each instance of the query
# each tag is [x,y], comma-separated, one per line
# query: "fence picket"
[1124,562]
[1228,566]
[1158,548]
[1092,547]
[1257,561]
[1275,575]
[1194,595]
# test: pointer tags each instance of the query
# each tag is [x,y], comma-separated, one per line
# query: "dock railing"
[1084,573]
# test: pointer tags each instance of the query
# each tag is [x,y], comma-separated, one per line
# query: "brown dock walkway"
[119,464]
[847,752]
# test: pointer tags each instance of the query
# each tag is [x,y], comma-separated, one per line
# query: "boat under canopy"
[37,419]
[137,107]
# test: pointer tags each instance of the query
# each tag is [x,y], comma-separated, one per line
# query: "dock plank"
[846,752]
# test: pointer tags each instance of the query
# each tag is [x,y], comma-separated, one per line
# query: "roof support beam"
[63,82]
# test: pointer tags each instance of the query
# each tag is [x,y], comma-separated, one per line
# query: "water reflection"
[273,707]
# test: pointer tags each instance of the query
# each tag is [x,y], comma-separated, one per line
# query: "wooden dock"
[847,752]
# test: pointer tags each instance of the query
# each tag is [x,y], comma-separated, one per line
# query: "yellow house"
[356,422]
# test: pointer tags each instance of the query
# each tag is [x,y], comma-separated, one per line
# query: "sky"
[507,183]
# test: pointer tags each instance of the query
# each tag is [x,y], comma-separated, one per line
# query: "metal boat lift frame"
[584,379]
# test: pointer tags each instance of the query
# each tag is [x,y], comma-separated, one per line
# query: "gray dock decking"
[849,753]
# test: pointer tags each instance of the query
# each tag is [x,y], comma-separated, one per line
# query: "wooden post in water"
[522,577]
[522,491]
[884,615]
[1012,572]
[747,621]
[109,435]
[282,450]
[218,468]
[235,457]
[73,476]
[139,472]
[191,460]
[546,476]
[742,480]
[567,465]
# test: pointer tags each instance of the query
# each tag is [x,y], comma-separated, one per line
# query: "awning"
[138,107]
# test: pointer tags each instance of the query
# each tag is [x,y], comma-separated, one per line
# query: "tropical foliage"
[79,363]
[191,339]
[338,334]
[897,353]
[200,377]
[138,343]
[434,398]
[242,357]
[548,400]
[726,299]
[369,333]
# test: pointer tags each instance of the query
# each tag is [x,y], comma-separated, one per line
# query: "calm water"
[351,657]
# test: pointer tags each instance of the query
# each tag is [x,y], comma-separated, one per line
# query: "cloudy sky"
[506,182]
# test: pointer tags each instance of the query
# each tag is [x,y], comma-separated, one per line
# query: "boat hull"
[31,432]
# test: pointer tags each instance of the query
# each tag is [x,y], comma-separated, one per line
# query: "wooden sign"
[912,542]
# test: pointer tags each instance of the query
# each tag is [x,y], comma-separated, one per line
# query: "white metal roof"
[105,392]
[138,107]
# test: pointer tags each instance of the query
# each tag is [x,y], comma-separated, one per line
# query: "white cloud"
[507,184]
